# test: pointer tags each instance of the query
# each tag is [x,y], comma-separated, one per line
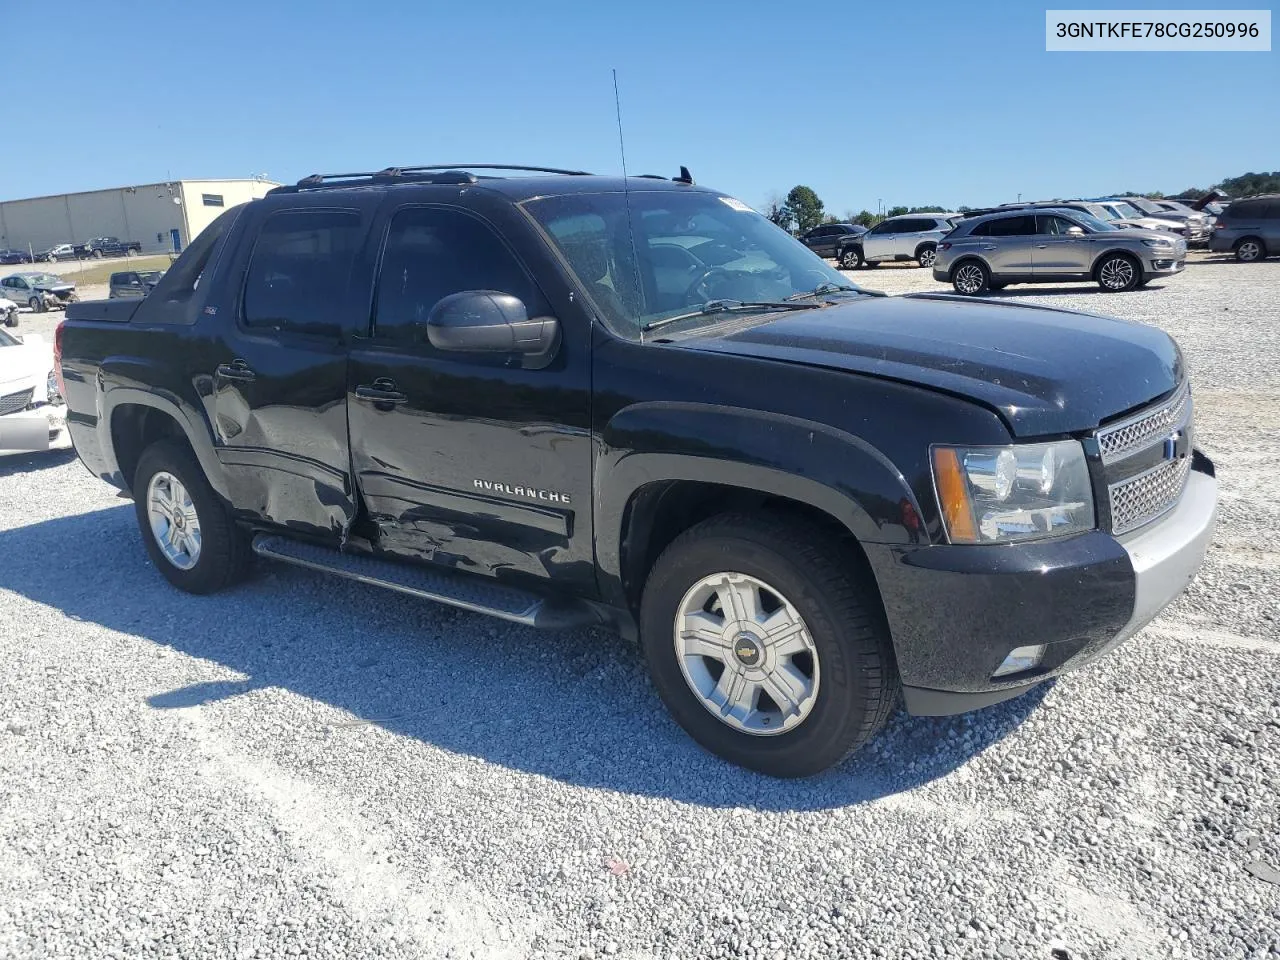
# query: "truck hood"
[1045,371]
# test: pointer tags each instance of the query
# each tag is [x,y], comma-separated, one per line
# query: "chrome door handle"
[235,370]
[1042,246]
[381,391]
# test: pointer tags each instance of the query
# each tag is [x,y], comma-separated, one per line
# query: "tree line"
[802,209]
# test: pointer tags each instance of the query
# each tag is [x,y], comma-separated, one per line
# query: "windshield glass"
[150,276]
[689,248]
[8,341]
[43,278]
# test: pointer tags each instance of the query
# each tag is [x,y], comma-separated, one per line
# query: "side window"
[1053,226]
[119,279]
[981,230]
[432,253]
[1272,212]
[299,271]
[1013,227]
[885,227]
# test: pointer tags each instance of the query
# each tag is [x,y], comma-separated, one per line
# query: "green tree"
[804,207]
[1247,184]
[896,211]
[866,218]
[776,211]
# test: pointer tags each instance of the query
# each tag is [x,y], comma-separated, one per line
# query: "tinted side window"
[1272,212]
[432,253]
[1012,227]
[886,226]
[297,278]
[1054,226]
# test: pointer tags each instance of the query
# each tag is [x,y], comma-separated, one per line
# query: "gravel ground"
[307,767]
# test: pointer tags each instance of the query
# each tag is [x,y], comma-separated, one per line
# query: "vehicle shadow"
[574,706]
[12,464]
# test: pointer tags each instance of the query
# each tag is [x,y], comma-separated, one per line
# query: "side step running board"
[456,589]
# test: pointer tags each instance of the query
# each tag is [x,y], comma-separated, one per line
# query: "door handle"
[1042,246]
[235,370]
[381,391]
[988,246]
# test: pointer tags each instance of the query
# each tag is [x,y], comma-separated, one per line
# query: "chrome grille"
[1119,440]
[1146,496]
[14,402]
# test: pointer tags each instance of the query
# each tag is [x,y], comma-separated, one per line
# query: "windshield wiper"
[825,287]
[727,306]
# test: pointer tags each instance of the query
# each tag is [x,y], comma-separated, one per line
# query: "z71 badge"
[530,493]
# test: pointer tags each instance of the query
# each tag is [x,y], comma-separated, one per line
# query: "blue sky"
[911,103]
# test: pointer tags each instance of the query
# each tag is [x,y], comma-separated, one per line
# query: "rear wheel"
[1119,272]
[1250,249]
[970,277]
[97,254]
[764,646]
[926,253]
[131,252]
[187,530]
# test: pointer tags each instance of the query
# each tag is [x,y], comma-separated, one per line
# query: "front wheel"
[850,258]
[1118,273]
[188,532]
[764,645]
[1250,250]
[971,278]
[36,304]
[927,254]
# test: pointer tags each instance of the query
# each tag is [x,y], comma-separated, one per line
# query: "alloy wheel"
[1116,274]
[1248,251]
[173,520]
[927,256]
[747,654]
[968,278]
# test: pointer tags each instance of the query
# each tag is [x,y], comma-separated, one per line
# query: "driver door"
[878,241]
[1056,252]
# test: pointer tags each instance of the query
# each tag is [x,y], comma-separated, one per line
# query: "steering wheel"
[695,292]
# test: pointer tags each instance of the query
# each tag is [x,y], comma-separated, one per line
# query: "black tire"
[37,305]
[850,258]
[131,252]
[926,253]
[1125,270]
[11,317]
[970,278]
[224,550]
[858,679]
[97,254]
[1250,250]
[872,264]
[996,285]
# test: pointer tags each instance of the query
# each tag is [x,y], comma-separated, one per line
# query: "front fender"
[775,454]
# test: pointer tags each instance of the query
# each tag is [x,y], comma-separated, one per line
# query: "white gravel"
[308,767]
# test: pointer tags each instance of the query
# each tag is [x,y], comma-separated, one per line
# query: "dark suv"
[563,400]
[828,239]
[1250,228]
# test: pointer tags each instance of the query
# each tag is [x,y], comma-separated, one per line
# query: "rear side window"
[432,253]
[298,274]
[1011,227]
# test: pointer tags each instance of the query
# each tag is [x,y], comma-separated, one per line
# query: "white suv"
[912,236]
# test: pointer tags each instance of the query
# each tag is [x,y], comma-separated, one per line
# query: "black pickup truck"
[561,401]
[100,247]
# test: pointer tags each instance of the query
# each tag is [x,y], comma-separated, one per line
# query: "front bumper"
[1165,265]
[955,611]
[41,427]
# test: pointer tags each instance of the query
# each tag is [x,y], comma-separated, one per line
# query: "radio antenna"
[626,199]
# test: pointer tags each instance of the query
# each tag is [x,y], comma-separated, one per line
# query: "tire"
[996,285]
[970,277]
[1250,250]
[223,554]
[926,253]
[36,304]
[851,683]
[1118,272]
[131,252]
[96,254]
[11,317]
[870,264]
[850,258]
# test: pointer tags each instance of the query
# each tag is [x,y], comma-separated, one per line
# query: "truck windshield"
[675,252]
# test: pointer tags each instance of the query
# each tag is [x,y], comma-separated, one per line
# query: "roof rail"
[454,173]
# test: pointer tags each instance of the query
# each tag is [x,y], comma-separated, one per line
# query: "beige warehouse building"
[163,217]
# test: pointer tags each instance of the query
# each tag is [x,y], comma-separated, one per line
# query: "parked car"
[32,414]
[826,239]
[800,496]
[1197,223]
[1124,214]
[8,312]
[913,236]
[100,247]
[1052,245]
[15,256]
[133,283]
[39,291]
[61,251]
[1250,228]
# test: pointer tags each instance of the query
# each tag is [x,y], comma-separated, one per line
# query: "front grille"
[13,402]
[1137,433]
[1150,494]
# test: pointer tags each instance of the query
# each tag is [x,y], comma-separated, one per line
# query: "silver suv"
[1040,245]
[912,236]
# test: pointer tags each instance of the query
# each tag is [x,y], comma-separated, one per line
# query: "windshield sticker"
[733,204]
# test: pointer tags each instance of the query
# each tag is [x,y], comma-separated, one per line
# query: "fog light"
[1019,659]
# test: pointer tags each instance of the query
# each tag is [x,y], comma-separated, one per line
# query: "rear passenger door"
[473,461]
[278,369]
[1012,240]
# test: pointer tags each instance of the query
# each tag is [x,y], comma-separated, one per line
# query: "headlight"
[1158,242]
[1022,492]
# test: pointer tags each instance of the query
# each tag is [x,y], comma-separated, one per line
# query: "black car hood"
[1045,371]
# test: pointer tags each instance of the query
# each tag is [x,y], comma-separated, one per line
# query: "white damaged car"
[33,415]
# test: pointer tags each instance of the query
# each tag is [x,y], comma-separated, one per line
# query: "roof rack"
[452,173]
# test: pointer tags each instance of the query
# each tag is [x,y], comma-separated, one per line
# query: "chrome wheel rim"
[1248,250]
[173,520]
[927,257]
[747,654]
[1117,274]
[969,278]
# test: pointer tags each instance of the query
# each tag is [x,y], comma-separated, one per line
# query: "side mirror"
[486,321]
[1075,232]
